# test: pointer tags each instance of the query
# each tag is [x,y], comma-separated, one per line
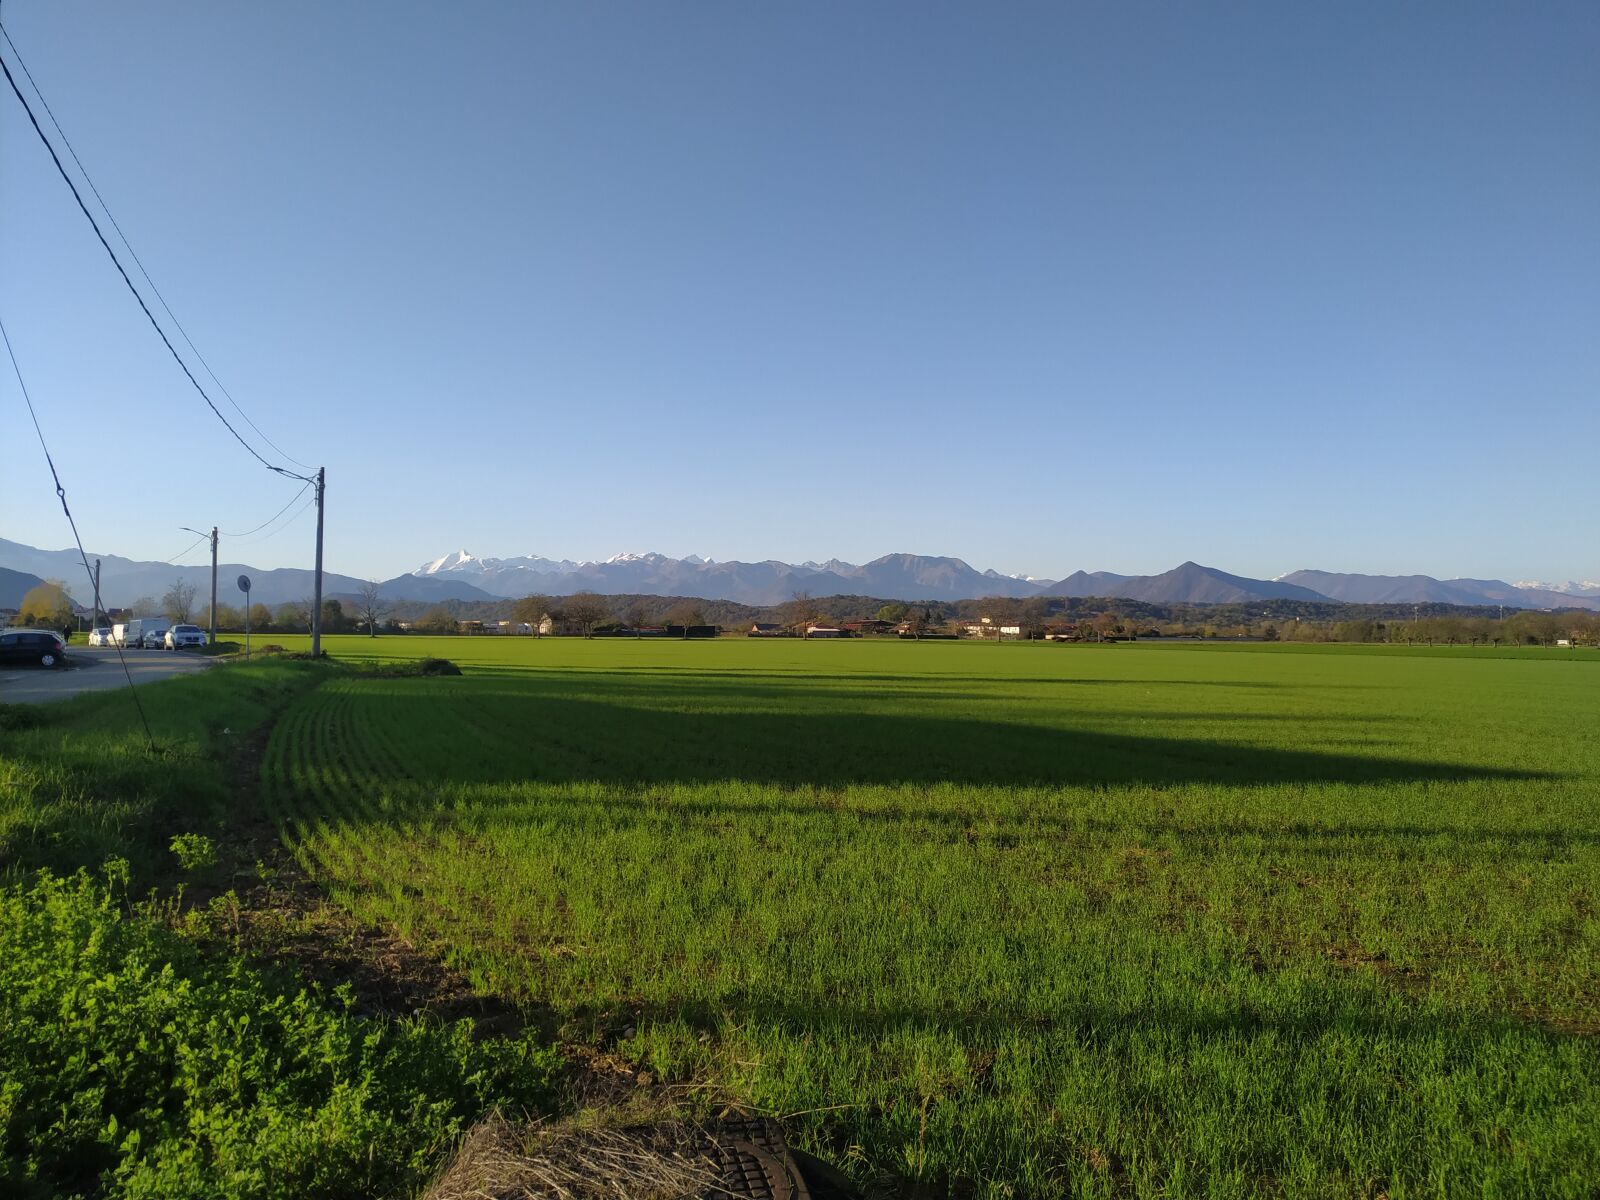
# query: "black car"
[24,647]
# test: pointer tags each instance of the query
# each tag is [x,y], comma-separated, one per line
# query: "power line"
[272,518]
[173,561]
[110,216]
[61,494]
[300,512]
[116,262]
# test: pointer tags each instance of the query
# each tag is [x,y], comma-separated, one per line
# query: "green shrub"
[195,851]
[131,1065]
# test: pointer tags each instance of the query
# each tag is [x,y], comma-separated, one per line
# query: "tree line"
[588,613]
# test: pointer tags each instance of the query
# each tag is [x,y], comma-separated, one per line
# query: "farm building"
[865,627]
[988,627]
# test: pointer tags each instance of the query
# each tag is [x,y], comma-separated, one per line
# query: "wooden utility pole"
[213,536]
[213,639]
[316,598]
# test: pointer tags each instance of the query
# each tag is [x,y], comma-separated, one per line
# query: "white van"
[143,631]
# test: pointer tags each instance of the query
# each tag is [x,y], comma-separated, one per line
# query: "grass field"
[1015,920]
[142,1054]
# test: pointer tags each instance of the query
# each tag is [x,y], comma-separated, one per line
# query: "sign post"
[244,586]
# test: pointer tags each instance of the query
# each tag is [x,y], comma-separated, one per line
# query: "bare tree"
[178,603]
[373,606]
[532,611]
[802,611]
[637,615]
[438,619]
[687,613]
[997,612]
[586,610]
[1035,612]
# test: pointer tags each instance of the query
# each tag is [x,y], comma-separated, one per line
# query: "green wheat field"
[1015,920]
[979,920]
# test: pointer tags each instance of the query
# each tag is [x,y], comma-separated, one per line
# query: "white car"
[180,636]
[100,637]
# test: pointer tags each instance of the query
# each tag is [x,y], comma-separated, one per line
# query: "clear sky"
[1053,286]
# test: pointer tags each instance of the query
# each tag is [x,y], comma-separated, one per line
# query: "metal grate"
[755,1162]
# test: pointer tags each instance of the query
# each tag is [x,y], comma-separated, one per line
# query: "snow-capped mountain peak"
[1572,587]
[461,560]
[649,556]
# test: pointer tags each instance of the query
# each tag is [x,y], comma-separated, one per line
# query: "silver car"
[156,639]
[180,636]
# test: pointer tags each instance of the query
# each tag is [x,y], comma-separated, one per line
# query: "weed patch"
[136,1066]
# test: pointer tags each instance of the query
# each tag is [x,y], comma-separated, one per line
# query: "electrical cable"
[61,494]
[270,519]
[173,561]
[110,216]
[121,270]
[257,541]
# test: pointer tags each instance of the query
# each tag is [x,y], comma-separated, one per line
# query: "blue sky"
[1043,286]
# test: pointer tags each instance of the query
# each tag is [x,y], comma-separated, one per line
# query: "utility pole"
[212,640]
[97,593]
[316,598]
[213,536]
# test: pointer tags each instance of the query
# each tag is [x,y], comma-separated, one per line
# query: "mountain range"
[924,577]
[464,576]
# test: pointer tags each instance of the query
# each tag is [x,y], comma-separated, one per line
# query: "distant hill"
[1190,583]
[1090,583]
[124,580]
[428,588]
[14,585]
[1424,589]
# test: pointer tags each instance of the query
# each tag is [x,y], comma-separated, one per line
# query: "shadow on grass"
[932,683]
[553,734]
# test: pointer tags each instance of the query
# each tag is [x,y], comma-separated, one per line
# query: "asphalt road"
[93,669]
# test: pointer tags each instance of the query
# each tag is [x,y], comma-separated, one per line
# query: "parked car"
[138,632]
[24,647]
[180,636]
[100,636]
